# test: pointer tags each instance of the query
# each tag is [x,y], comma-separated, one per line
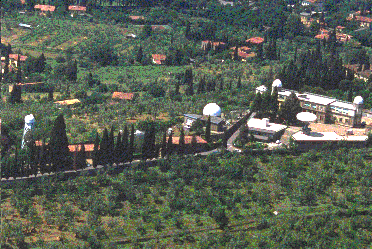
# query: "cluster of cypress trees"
[107,152]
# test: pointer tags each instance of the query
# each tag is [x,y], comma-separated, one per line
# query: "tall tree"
[290,108]
[188,80]
[208,130]
[15,94]
[111,146]
[19,70]
[125,146]
[257,102]
[239,84]
[96,151]
[131,145]
[181,145]
[81,158]
[118,149]
[59,151]
[274,104]
[139,54]
[170,144]
[104,148]
[164,145]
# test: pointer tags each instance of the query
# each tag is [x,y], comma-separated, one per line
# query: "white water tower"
[29,125]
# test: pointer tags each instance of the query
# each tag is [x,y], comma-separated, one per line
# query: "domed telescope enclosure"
[212,109]
[306,117]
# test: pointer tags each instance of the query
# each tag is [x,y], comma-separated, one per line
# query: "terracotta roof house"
[213,45]
[89,148]
[243,53]
[67,102]
[45,8]
[77,8]
[158,59]
[137,17]
[13,59]
[255,40]
[27,86]
[362,74]
[123,96]
[199,146]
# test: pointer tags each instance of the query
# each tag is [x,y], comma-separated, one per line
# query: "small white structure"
[261,89]
[29,125]
[264,130]
[139,137]
[212,109]
[278,84]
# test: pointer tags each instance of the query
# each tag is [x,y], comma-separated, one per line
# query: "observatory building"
[212,110]
[325,108]
[262,129]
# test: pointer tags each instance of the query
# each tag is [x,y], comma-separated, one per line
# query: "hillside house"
[43,9]
[34,86]
[159,59]
[74,9]
[121,96]
[243,53]
[362,20]
[212,45]
[217,123]
[67,103]
[199,146]
[255,41]
[360,72]
[13,59]
[89,148]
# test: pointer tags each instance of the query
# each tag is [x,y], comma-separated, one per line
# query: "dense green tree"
[59,151]
[131,145]
[146,31]
[164,145]
[208,130]
[188,80]
[104,148]
[19,69]
[181,144]
[293,26]
[96,152]
[257,103]
[111,146]
[290,108]
[81,158]
[139,54]
[118,149]
[170,144]
[125,145]
[15,94]
[274,107]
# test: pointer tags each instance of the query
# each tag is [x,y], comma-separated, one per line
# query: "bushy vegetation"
[281,199]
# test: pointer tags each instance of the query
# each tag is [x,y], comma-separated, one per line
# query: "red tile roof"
[77,8]
[45,7]
[15,57]
[137,17]
[199,140]
[74,147]
[322,36]
[121,95]
[363,19]
[158,58]
[255,40]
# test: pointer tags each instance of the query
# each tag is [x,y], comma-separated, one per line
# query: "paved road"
[91,170]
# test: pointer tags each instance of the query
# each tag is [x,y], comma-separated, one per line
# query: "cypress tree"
[111,146]
[170,144]
[125,147]
[274,103]
[96,152]
[75,158]
[181,148]
[188,79]
[164,145]
[81,158]
[257,102]
[118,149]
[139,55]
[33,156]
[19,72]
[239,84]
[208,130]
[131,145]
[41,63]
[236,54]
[104,148]
[194,144]
[59,151]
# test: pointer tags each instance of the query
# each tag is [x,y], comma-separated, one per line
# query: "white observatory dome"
[358,100]
[277,83]
[29,119]
[212,109]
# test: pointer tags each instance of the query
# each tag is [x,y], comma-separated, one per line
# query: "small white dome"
[358,100]
[212,109]
[277,83]
[29,119]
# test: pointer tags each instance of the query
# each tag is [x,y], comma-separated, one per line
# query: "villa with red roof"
[158,59]
[255,40]
[123,96]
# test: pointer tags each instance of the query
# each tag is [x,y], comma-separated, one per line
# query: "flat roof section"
[314,98]
[259,124]
[326,137]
